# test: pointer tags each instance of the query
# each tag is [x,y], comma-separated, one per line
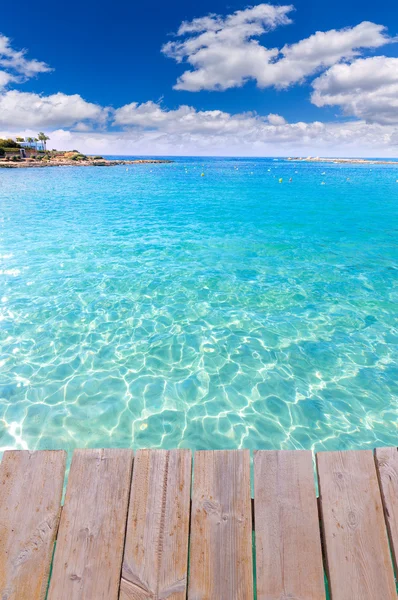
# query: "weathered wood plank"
[89,550]
[288,542]
[387,467]
[221,527]
[156,553]
[356,545]
[30,501]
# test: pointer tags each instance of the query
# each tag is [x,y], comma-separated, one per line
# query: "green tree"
[30,141]
[9,143]
[42,137]
[20,139]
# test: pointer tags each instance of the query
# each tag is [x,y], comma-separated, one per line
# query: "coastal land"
[70,159]
[22,153]
[355,161]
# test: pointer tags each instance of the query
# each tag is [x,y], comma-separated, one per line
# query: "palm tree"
[43,138]
[30,141]
[19,139]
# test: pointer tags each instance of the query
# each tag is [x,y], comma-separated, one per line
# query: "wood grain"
[155,560]
[30,500]
[89,550]
[288,542]
[387,467]
[221,527]
[357,553]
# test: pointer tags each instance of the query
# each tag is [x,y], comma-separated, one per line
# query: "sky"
[210,78]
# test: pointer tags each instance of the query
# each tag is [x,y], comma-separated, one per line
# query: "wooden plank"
[89,550]
[30,501]
[221,527]
[156,553]
[387,467]
[288,542]
[356,545]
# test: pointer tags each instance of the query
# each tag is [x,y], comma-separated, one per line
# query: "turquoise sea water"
[156,307]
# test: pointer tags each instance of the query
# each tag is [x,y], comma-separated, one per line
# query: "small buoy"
[281,180]
[291,179]
[323,173]
[323,183]
[202,175]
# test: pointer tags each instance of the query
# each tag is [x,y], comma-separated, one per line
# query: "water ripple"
[157,308]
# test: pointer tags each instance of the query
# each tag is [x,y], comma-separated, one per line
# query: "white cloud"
[151,128]
[276,119]
[366,88]
[319,51]
[5,79]
[224,53]
[254,139]
[16,61]
[23,110]
[184,119]
[154,130]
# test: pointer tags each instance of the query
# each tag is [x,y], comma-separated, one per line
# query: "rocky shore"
[87,162]
[355,161]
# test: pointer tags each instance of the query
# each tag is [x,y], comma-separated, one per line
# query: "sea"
[206,303]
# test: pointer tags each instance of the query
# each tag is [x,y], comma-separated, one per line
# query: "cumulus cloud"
[185,119]
[16,61]
[23,110]
[367,88]
[255,139]
[319,51]
[276,119]
[150,127]
[224,52]
[5,79]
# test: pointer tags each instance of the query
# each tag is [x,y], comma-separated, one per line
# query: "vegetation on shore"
[26,152]
[8,145]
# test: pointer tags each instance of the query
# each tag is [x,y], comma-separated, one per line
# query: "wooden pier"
[149,527]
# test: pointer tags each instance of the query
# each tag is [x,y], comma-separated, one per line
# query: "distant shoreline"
[355,161]
[89,162]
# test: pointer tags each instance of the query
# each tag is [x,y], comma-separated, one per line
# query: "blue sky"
[251,79]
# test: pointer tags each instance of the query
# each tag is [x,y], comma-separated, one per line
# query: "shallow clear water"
[156,307]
